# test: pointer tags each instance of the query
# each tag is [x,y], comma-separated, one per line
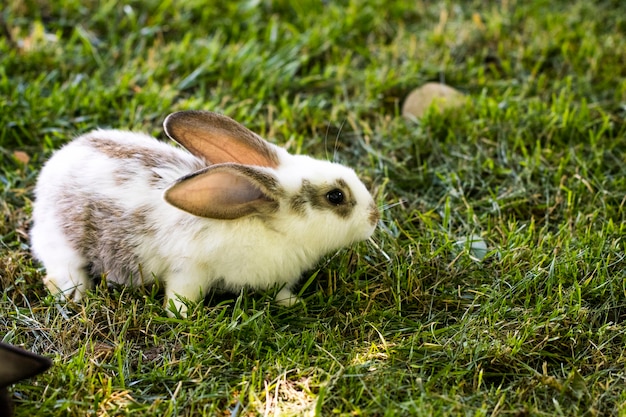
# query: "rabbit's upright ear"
[219,139]
[226,192]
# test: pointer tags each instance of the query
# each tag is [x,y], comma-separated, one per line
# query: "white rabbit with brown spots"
[235,211]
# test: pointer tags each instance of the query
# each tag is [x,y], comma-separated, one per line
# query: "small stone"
[431,94]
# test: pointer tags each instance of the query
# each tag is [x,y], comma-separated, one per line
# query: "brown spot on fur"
[298,204]
[113,149]
[140,216]
[106,235]
[342,184]
[158,181]
[122,175]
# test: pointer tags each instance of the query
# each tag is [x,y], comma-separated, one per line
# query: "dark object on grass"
[17,364]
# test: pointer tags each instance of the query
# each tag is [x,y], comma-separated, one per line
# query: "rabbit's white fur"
[100,210]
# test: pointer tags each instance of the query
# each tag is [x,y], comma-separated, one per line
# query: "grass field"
[414,322]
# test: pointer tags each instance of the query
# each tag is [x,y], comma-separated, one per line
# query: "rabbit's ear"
[226,192]
[219,139]
[17,364]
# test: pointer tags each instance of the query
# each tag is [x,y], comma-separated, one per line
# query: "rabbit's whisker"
[337,140]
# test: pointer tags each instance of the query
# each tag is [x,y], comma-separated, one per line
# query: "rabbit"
[17,364]
[232,211]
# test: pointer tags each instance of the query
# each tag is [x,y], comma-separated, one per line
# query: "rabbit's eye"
[335,196]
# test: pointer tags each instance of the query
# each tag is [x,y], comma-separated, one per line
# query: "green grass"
[409,324]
